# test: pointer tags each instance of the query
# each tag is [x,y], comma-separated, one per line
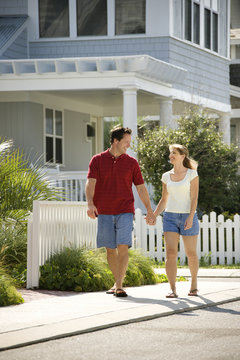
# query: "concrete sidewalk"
[47,315]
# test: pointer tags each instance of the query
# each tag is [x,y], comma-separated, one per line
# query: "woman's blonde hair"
[187,162]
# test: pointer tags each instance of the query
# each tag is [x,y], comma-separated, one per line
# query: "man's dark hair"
[118,133]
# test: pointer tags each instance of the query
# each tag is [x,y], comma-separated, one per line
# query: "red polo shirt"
[115,176]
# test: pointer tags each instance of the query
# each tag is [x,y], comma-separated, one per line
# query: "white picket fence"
[58,224]
[218,241]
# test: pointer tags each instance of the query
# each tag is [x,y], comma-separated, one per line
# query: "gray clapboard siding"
[14,7]
[18,49]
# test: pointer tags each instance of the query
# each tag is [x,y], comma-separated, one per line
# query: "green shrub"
[140,270]
[76,269]
[8,293]
[13,243]
[87,270]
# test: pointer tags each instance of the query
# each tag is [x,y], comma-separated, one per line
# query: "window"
[196,23]
[208,37]
[192,21]
[233,134]
[188,20]
[211,25]
[53,136]
[130,16]
[215,32]
[53,18]
[91,17]
[207,28]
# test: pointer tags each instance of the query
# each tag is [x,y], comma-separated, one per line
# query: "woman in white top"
[179,200]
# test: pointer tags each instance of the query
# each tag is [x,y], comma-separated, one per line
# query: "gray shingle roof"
[8,26]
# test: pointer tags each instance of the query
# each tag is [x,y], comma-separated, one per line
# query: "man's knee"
[122,250]
[111,252]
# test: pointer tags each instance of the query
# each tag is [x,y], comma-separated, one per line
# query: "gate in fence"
[58,224]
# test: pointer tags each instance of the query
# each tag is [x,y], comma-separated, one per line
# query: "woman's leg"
[190,245]
[171,242]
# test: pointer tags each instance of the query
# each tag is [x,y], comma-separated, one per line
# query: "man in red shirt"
[110,198]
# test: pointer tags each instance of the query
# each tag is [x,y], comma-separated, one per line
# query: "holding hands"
[150,218]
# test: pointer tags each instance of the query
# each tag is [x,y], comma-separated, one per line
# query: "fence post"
[205,224]
[29,252]
[236,225]
[213,234]
[138,221]
[229,239]
[35,244]
[221,239]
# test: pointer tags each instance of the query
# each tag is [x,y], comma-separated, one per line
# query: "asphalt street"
[212,333]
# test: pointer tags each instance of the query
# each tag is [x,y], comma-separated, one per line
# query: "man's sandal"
[111,291]
[172,295]
[193,292]
[120,293]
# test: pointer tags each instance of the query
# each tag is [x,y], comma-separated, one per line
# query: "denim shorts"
[114,230]
[174,222]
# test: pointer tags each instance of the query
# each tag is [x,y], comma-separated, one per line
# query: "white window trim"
[54,163]
[202,26]
[35,36]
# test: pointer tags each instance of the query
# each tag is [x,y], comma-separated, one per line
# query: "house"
[67,64]
[235,72]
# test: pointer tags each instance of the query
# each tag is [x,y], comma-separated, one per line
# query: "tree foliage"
[219,187]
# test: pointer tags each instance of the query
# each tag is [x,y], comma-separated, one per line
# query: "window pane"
[58,122]
[215,32]
[49,149]
[91,17]
[53,18]
[207,28]
[49,121]
[59,151]
[130,16]
[188,20]
[196,24]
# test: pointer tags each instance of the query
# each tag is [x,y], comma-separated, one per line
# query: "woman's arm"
[163,201]
[194,186]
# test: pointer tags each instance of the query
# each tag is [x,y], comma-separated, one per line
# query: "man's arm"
[143,194]
[90,190]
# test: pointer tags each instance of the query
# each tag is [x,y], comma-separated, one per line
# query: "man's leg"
[112,259]
[118,263]
[122,264]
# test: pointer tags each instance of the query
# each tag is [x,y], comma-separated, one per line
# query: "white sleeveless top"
[179,192]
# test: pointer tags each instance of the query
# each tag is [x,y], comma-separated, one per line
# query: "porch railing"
[72,184]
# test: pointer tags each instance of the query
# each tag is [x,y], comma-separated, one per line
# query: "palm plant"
[20,185]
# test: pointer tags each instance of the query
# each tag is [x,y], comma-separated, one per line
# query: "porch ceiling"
[110,102]
[140,71]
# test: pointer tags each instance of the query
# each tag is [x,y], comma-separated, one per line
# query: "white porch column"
[130,112]
[166,113]
[224,127]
